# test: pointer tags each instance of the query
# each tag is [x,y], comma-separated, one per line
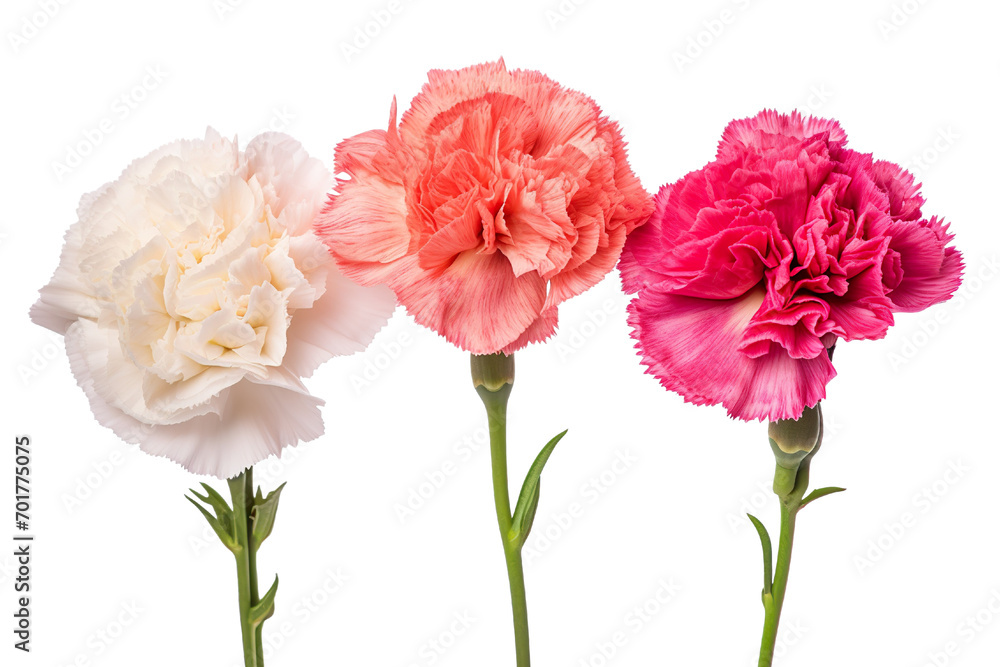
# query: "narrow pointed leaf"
[264,609]
[215,499]
[819,493]
[221,507]
[262,515]
[220,530]
[765,543]
[529,514]
[527,501]
[520,528]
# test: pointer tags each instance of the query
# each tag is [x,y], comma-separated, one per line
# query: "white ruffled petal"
[343,321]
[258,421]
[194,295]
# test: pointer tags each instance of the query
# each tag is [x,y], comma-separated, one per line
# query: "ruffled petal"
[931,269]
[538,331]
[255,422]
[477,303]
[770,128]
[367,219]
[692,346]
[343,321]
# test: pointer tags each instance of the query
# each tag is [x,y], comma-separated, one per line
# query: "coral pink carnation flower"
[499,195]
[751,268]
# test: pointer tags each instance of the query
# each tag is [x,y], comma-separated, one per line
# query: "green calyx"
[493,373]
[794,442]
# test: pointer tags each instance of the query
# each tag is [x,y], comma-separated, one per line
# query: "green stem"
[519,605]
[246,567]
[496,410]
[254,590]
[790,502]
[773,601]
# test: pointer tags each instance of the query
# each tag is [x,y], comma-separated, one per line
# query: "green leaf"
[214,499]
[220,527]
[765,543]
[527,501]
[521,526]
[262,515]
[819,493]
[264,609]
[221,507]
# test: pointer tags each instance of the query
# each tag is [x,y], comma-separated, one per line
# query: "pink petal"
[931,270]
[692,346]
[477,303]
[901,189]
[754,132]
[539,330]
[368,217]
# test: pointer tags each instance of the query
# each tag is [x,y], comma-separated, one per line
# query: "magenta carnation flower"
[751,268]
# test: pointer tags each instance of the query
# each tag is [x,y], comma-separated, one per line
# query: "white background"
[914,83]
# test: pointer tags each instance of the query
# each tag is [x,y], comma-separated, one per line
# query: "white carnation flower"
[193,296]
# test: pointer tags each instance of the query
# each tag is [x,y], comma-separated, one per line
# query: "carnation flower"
[753,267]
[499,195]
[193,296]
